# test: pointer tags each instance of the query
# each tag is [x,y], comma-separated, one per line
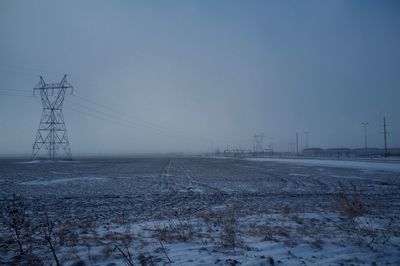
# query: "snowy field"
[200,211]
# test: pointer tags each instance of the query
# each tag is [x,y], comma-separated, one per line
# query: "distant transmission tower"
[52,134]
[258,139]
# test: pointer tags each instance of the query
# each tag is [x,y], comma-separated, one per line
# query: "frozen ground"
[199,211]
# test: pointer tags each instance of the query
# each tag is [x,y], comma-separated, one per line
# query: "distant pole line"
[272,145]
[52,133]
[306,133]
[297,144]
[365,124]
[385,135]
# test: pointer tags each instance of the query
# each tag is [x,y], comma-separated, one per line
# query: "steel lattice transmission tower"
[258,139]
[52,136]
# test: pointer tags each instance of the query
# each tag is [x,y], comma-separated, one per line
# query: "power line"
[125,122]
[14,90]
[28,69]
[137,120]
[116,114]
[122,113]
[100,114]
[103,118]
[13,94]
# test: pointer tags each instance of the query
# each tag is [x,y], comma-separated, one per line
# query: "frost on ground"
[197,211]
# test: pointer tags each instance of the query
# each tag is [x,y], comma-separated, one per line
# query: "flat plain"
[202,211]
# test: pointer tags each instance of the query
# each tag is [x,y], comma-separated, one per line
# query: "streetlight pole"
[365,124]
[306,133]
[385,135]
[272,145]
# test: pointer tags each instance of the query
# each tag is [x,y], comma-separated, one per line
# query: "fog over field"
[192,75]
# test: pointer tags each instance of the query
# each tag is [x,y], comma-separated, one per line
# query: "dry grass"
[350,204]
[263,231]
[174,233]
[19,225]
[286,210]
[230,229]
[360,227]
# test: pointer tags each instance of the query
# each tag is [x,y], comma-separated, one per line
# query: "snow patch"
[63,180]
[47,161]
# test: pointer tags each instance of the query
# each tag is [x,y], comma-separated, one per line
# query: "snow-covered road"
[361,165]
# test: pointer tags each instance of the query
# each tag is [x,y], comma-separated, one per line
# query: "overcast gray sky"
[159,76]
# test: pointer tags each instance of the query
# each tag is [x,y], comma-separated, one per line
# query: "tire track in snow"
[194,182]
[163,178]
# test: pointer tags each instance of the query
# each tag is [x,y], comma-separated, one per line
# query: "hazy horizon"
[190,76]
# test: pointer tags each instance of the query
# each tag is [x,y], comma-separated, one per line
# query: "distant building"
[338,152]
[313,152]
[346,152]
[394,151]
[370,152]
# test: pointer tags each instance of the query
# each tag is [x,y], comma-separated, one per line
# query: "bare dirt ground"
[269,203]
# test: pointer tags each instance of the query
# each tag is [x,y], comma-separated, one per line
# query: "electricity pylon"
[52,133]
[258,139]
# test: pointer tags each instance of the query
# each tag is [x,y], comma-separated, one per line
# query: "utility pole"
[306,133]
[297,144]
[272,145]
[385,135]
[52,133]
[365,124]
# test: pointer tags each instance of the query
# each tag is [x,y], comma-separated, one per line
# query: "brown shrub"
[350,204]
